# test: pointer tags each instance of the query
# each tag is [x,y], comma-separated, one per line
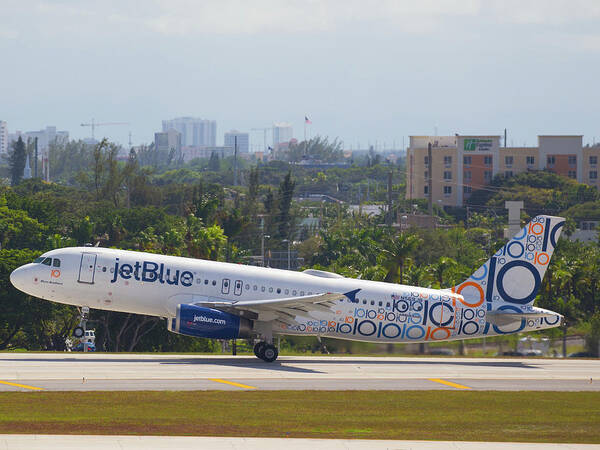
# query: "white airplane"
[228,301]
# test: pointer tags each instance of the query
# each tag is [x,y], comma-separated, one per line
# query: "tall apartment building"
[3,137]
[282,132]
[243,140]
[462,164]
[167,141]
[195,132]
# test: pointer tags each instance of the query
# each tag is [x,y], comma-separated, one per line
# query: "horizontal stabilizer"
[505,317]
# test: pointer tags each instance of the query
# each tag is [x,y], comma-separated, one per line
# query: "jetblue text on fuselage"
[151,272]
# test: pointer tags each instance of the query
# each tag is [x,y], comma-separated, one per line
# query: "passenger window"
[214,283]
[372,302]
[270,289]
[387,304]
[104,269]
[205,281]
[262,288]
[287,291]
[255,287]
[47,261]
[364,302]
[380,303]
[279,290]
[301,292]
[294,292]
[247,287]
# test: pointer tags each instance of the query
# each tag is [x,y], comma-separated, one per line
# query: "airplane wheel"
[78,332]
[270,353]
[259,348]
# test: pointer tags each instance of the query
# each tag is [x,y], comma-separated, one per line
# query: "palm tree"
[396,254]
[440,268]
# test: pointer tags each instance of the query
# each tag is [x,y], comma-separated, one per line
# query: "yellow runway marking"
[232,383]
[22,386]
[449,383]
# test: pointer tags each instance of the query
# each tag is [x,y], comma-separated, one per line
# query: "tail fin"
[515,273]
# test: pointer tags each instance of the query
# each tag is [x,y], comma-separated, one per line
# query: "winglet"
[352,295]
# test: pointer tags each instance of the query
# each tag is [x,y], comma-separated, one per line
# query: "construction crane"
[264,130]
[93,124]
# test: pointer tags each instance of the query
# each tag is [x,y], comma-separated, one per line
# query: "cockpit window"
[56,262]
[47,261]
[38,260]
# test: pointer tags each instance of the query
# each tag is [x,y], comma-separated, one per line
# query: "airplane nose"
[18,278]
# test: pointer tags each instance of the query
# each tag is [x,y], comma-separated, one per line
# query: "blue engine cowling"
[199,321]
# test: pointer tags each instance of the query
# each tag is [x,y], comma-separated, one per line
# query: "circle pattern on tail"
[515,272]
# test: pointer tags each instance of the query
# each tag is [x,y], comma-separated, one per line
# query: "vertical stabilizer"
[515,273]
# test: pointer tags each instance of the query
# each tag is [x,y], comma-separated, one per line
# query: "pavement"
[103,371]
[68,442]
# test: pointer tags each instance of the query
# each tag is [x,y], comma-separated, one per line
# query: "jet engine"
[199,321]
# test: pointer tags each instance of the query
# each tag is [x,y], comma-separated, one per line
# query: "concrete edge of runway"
[96,442]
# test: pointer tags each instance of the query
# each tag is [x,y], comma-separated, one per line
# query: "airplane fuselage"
[153,284]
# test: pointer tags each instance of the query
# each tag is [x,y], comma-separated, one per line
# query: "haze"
[362,71]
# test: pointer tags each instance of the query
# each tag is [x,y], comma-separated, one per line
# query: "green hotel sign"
[476,144]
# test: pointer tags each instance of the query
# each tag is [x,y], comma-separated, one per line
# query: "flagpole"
[305,143]
[304,128]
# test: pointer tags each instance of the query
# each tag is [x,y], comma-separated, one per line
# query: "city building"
[282,132]
[3,137]
[190,153]
[243,141]
[168,140]
[195,132]
[462,164]
[45,137]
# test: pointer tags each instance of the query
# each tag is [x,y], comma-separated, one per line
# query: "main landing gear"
[265,351]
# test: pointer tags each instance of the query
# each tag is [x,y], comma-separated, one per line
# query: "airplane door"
[225,286]
[87,268]
[237,288]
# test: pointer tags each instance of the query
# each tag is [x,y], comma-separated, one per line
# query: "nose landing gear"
[265,351]
[79,330]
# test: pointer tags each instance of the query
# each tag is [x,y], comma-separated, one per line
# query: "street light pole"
[262,247]
[288,254]
[403,224]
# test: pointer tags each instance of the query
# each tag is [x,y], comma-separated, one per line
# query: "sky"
[364,72]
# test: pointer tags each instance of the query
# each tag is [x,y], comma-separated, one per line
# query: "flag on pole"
[307,120]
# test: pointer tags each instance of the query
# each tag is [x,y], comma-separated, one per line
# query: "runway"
[103,371]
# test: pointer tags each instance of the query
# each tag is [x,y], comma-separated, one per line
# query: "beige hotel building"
[463,164]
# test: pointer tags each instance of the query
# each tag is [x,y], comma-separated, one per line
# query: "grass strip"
[430,415]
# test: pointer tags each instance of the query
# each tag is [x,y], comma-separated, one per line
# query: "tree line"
[155,203]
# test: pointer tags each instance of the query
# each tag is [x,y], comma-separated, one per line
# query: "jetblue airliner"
[228,301]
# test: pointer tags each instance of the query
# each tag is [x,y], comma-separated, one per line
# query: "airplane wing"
[325,300]
[282,309]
